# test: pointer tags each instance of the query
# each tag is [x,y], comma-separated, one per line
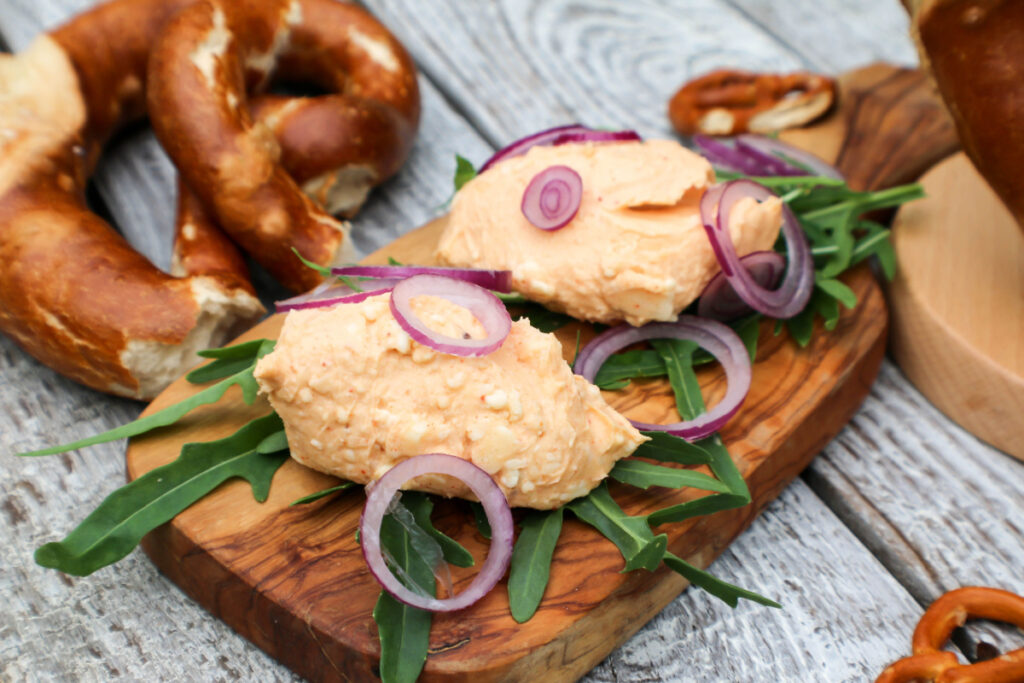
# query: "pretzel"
[202,67]
[73,293]
[726,102]
[931,663]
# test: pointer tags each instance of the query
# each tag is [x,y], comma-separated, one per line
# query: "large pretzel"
[726,102]
[202,66]
[931,663]
[72,292]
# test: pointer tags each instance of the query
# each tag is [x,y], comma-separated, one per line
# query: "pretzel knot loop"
[727,102]
[931,663]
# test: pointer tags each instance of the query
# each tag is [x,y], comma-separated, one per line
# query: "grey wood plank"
[844,620]
[834,37]
[519,65]
[938,507]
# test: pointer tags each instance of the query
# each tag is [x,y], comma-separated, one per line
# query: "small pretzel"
[931,663]
[729,102]
[214,53]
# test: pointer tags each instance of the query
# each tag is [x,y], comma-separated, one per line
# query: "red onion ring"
[499,515]
[770,149]
[719,300]
[553,197]
[792,295]
[557,136]
[716,338]
[727,157]
[487,308]
[495,280]
[328,294]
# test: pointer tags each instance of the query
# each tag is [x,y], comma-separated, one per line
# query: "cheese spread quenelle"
[358,395]
[636,250]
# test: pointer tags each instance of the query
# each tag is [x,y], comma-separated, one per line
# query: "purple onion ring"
[792,295]
[486,307]
[716,338]
[329,294]
[495,280]
[719,300]
[499,515]
[552,198]
[558,136]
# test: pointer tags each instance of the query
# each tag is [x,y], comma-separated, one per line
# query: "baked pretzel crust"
[728,102]
[931,663]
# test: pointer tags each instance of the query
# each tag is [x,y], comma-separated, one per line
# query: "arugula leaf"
[323,270]
[392,261]
[706,505]
[129,513]
[837,290]
[782,181]
[622,367]
[668,448]
[480,517]
[322,494]
[464,172]
[724,591]
[167,416]
[531,562]
[230,360]
[631,535]
[645,475]
[678,357]
[404,631]
[420,505]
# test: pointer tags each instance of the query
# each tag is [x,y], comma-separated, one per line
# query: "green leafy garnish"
[726,592]
[631,535]
[420,505]
[531,561]
[172,414]
[323,270]
[343,486]
[644,475]
[132,511]
[229,360]
[464,172]
[404,631]
[480,517]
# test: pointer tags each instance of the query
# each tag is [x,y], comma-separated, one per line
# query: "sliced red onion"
[719,300]
[597,136]
[553,197]
[792,295]
[726,156]
[773,152]
[499,515]
[557,136]
[716,338]
[495,280]
[486,307]
[328,294]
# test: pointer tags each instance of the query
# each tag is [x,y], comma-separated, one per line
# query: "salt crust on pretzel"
[72,292]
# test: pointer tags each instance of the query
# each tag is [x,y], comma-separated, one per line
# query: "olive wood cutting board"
[293,581]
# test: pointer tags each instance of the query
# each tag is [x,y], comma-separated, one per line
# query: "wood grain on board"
[294,581]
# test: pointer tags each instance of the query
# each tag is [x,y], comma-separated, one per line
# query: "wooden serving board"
[293,581]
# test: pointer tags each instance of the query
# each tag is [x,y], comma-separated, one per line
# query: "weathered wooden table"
[901,507]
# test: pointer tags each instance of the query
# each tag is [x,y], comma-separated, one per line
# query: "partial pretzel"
[729,102]
[73,293]
[931,663]
[208,59]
